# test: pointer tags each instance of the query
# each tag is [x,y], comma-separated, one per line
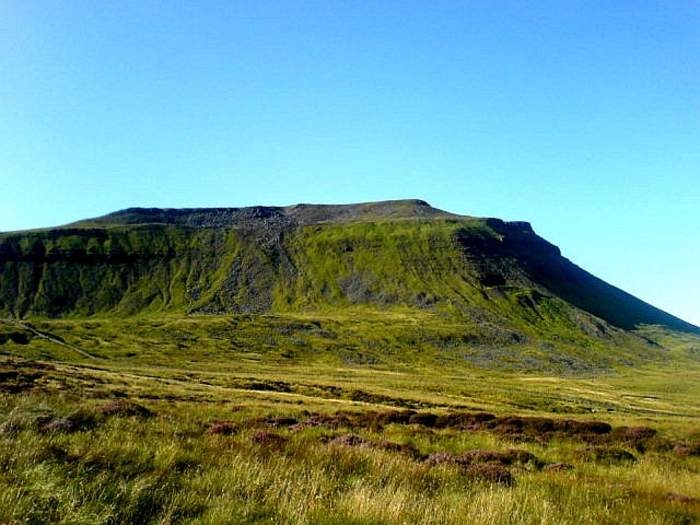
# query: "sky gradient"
[580,117]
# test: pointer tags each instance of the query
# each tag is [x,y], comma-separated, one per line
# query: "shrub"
[440,458]
[509,457]
[59,425]
[19,420]
[523,457]
[268,439]
[465,420]
[638,438]
[123,408]
[485,456]
[394,416]
[490,472]
[75,422]
[558,467]
[403,448]
[281,421]
[587,427]
[607,455]
[425,419]
[681,498]
[318,420]
[350,440]
[225,428]
[687,449]
[508,425]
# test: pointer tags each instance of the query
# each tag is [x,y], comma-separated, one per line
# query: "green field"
[359,417]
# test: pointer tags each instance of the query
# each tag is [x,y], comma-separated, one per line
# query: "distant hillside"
[498,276]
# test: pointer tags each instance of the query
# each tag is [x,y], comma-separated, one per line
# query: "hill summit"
[299,214]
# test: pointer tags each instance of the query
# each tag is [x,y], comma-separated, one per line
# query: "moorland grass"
[205,420]
[169,469]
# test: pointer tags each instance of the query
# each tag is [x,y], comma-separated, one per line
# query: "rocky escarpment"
[270,217]
[517,249]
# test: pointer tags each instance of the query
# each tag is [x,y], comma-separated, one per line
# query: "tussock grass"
[170,468]
[210,434]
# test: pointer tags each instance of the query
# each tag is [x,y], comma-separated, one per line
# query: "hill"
[271,259]
[374,363]
[471,283]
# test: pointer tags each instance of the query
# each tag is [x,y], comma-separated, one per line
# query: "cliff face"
[543,264]
[88,271]
[401,254]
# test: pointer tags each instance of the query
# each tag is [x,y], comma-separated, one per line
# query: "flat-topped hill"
[498,282]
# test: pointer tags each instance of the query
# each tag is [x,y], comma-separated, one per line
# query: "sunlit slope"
[499,277]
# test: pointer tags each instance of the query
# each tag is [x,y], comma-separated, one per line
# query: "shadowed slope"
[544,264]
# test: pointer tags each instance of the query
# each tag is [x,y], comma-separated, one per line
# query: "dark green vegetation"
[378,363]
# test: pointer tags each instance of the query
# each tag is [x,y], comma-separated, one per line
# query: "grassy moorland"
[345,418]
[374,363]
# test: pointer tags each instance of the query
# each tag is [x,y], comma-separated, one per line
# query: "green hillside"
[305,257]
[488,291]
[383,363]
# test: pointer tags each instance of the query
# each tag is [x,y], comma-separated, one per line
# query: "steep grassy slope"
[120,270]
[499,281]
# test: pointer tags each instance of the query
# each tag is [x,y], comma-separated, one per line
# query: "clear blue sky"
[582,117]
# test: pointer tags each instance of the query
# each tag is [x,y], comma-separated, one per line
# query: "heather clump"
[123,408]
[267,439]
[224,428]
